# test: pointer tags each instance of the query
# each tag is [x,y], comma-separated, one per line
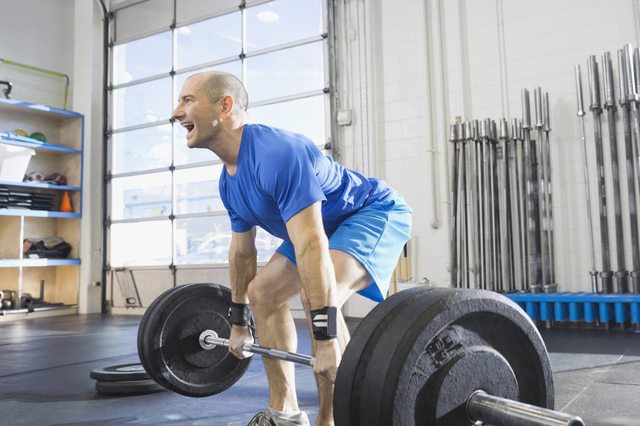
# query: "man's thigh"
[369,241]
[277,281]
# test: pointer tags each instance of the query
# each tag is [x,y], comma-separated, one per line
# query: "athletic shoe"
[267,418]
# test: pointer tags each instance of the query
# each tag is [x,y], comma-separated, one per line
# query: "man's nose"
[177,113]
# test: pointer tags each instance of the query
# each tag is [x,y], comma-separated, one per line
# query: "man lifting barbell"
[342,232]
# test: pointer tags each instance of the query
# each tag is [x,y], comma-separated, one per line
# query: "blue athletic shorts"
[375,236]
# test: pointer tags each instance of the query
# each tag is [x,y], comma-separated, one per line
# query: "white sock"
[283,415]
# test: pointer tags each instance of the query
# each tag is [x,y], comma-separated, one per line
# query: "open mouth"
[189,126]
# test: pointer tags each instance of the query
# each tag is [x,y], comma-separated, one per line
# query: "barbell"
[424,356]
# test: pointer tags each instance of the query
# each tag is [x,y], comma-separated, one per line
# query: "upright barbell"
[423,356]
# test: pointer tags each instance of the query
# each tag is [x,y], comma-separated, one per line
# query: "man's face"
[197,114]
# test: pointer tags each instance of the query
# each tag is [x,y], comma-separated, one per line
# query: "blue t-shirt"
[280,173]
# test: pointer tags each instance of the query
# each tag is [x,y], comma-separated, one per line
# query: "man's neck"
[227,146]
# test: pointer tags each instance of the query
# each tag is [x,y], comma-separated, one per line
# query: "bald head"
[217,84]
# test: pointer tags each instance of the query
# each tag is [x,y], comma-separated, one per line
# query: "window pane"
[209,40]
[144,243]
[203,240]
[142,149]
[197,190]
[234,68]
[286,72]
[141,196]
[185,155]
[305,116]
[142,103]
[282,21]
[266,245]
[131,61]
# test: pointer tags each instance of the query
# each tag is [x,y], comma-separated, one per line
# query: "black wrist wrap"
[323,322]
[240,314]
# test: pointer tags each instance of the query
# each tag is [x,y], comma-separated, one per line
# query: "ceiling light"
[268,16]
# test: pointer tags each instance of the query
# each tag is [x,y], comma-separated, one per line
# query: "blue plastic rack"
[580,307]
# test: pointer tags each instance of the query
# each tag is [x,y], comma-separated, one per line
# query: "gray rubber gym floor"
[45,364]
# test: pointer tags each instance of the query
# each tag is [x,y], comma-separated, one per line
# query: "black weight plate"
[127,388]
[347,388]
[150,313]
[168,342]
[439,348]
[119,373]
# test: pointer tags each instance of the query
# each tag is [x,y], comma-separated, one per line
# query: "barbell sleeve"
[526,111]
[505,412]
[594,83]
[630,72]
[609,92]
[213,341]
[622,78]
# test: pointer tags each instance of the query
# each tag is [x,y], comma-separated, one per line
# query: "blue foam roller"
[532,310]
[574,311]
[589,314]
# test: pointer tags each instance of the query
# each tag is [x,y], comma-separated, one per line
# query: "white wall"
[440,59]
[38,33]
[65,36]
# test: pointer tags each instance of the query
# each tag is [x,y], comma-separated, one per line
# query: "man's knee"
[255,293]
[262,297]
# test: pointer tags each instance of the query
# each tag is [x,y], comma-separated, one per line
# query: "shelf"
[38,213]
[38,109]
[36,263]
[40,185]
[13,139]
[61,153]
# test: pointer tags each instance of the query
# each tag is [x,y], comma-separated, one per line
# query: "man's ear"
[227,106]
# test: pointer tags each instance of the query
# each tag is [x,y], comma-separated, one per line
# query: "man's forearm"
[317,272]
[242,270]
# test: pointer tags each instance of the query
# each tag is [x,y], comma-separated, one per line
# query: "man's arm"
[242,269]
[318,279]
[311,245]
[242,263]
